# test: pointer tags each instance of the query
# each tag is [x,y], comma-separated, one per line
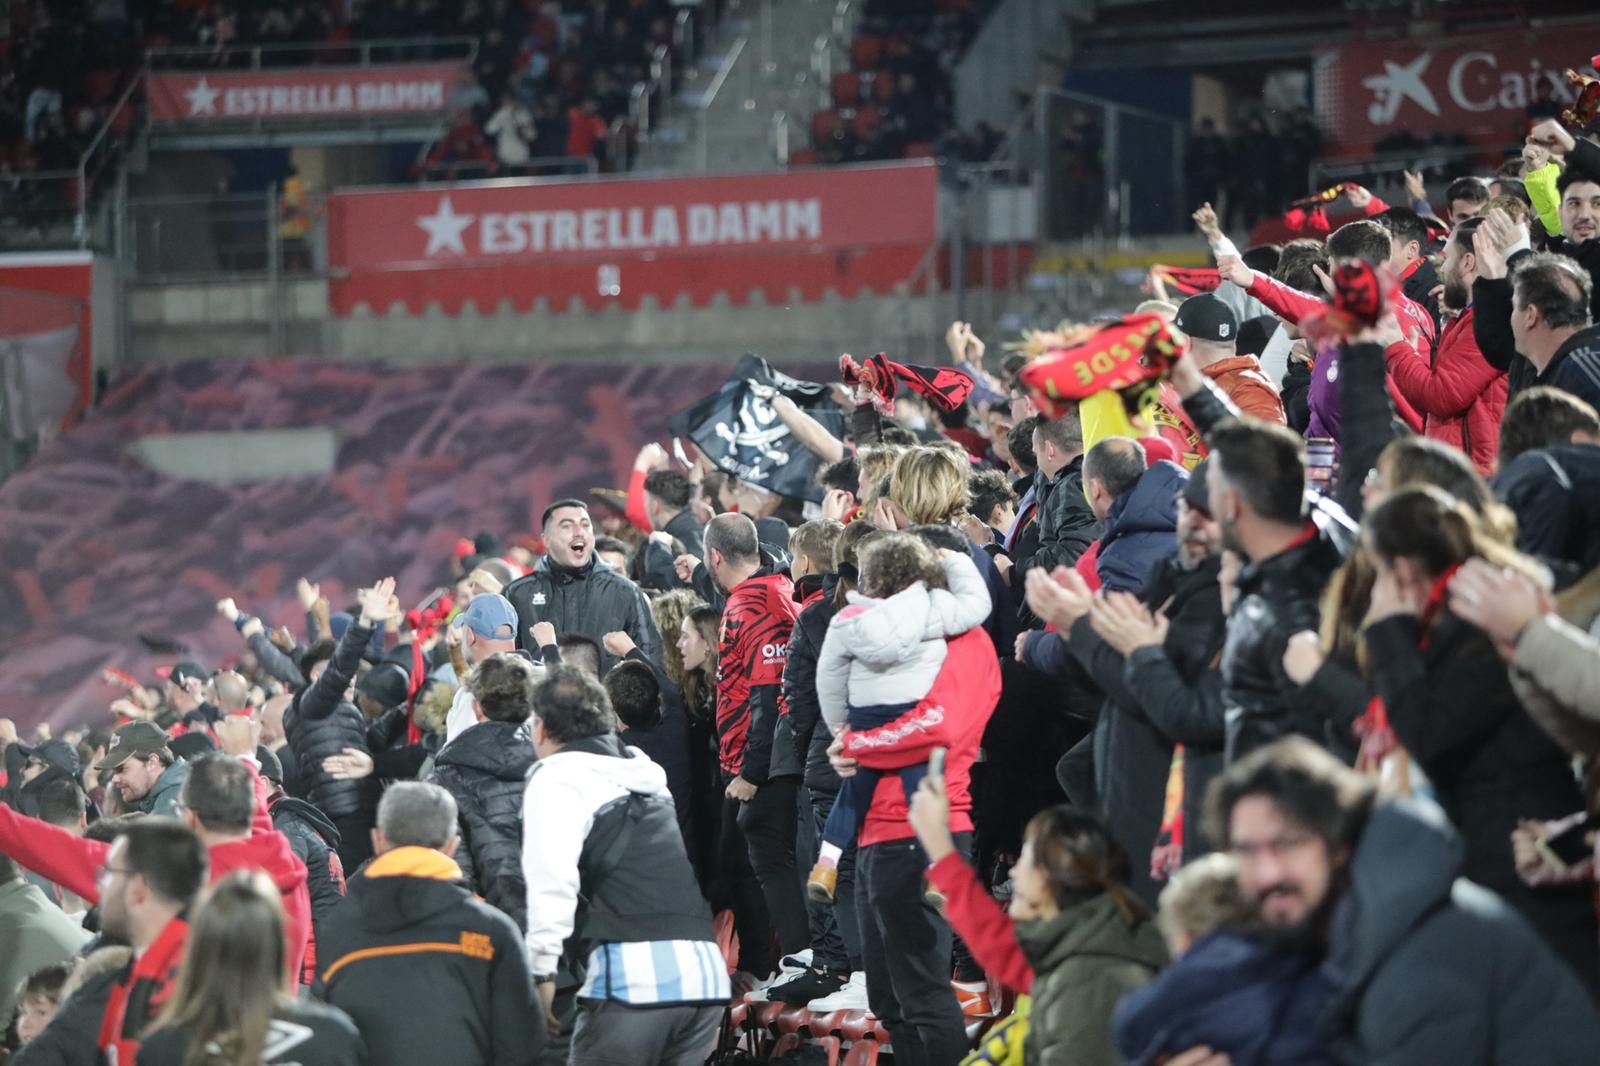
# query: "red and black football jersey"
[752,652]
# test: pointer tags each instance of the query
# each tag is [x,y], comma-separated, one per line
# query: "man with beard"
[1256,493]
[759,765]
[1461,396]
[1422,966]
[147,880]
[1157,742]
[573,591]
[144,771]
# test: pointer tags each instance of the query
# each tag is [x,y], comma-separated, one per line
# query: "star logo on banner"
[445,229]
[1397,84]
[203,98]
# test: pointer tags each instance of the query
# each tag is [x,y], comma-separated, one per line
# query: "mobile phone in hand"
[936,764]
[1570,847]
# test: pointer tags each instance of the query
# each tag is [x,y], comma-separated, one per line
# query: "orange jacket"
[1249,389]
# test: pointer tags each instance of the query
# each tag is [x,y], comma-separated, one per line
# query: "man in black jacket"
[315,841]
[1551,321]
[322,722]
[573,591]
[1550,478]
[1162,691]
[1067,525]
[1256,492]
[427,972]
[484,769]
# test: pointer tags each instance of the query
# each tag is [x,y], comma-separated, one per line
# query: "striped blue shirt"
[656,972]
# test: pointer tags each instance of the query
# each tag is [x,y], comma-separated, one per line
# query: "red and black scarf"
[945,387]
[142,991]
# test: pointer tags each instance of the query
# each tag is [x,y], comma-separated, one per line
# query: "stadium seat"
[862,1053]
[865,123]
[884,88]
[824,124]
[846,89]
[865,51]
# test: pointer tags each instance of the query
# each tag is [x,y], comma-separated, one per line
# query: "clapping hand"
[1060,597]
[1126,624]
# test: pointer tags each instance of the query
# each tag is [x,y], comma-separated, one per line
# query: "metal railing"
[348,53]
[1386,171]
[709,98]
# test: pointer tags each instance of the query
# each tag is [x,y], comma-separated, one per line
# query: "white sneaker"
[853,996]
[758,994]
[800,960]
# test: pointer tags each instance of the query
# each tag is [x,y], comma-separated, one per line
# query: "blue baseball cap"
[490,616]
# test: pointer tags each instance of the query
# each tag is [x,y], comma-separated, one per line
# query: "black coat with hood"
[1555,494]
[592,600]
[485,769]
[315,840]
[1436,969]
[428,972]
[1157,698]
[811,736]
[321,722]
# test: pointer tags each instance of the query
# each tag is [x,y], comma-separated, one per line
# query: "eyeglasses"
[106,871]
[1277,847]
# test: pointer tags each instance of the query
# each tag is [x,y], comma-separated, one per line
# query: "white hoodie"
[890,651]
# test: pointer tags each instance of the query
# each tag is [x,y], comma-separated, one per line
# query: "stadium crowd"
[1211,685]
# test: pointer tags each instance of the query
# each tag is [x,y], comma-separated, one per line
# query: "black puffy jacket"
[592,601]
[1067,526]
[322,722]
[485,769]
[1555,494]
[810,734]
[1274,599]
[315,840]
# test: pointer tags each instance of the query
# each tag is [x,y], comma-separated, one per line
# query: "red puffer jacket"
[1460,396]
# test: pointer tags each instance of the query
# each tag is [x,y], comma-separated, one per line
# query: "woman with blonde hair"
[1448,696]
[231,1006]
[930,488]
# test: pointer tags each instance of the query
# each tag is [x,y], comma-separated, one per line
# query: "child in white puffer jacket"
[879,659]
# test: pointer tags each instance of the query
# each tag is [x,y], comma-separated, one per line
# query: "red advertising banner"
[302,92]
[1479,86]
[845,228]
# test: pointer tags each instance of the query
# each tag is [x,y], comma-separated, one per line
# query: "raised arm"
[327,692]
[807,430]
